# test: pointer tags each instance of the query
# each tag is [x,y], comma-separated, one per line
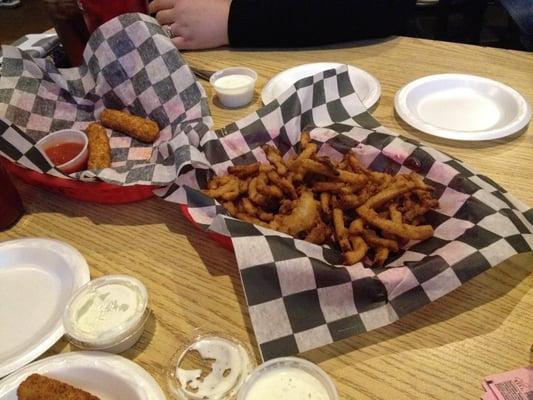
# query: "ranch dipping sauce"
[233,81]
[288,378]
[234,86]
[287,383]
[105,308]
[108,313]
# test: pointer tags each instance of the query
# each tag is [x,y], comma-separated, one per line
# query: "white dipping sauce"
[234,86]
[232,82]
[287,383]
[104,308]
[107,313]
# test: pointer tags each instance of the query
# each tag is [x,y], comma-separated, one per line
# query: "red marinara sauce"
[63,152]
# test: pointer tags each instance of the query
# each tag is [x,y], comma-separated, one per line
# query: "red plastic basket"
[224,241]
[95,192]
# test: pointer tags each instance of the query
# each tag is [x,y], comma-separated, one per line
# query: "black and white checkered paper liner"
[299,295]
[36,44]
[129,63]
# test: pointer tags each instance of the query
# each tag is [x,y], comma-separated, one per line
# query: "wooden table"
[439,352]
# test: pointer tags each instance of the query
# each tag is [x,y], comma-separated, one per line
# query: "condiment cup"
[281,377]
[107,314]
[77,163]
[210,367]
[234,86]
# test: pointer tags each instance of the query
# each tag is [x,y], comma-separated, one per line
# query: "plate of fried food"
[98,155]
[365,214]
[84,375]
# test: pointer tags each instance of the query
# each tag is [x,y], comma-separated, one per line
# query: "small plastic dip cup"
[68,145]
[234,86]
[107,314]
[288,378]
[211,367]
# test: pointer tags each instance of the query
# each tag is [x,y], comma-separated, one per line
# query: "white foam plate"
[105,375]
[462,107]
[367,87]
[37,279]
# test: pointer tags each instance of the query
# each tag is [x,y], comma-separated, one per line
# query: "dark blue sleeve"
[282,23]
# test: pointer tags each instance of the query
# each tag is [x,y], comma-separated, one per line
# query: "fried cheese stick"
[39,387]
[99,150]
[142,129]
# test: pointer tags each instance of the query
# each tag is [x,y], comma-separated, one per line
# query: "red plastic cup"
[11,208]
[70,27]
[96,12]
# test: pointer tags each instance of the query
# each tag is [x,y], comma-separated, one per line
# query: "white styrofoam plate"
[105,375]
[462,107]
[367,87]
[37,279]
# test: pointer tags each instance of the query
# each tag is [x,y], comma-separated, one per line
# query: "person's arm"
[200,24]
[281,23]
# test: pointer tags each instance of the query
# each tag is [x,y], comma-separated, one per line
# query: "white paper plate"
[462,107]
[367,87]
[37,279]
[105,375]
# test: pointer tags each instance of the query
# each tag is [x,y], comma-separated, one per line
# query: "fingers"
[179,42]
[165,17]
[194,24]
[184,44]
[158,5]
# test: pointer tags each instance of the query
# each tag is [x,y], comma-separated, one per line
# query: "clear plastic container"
[234,86]
[288,378]
[107,314]
[210,367]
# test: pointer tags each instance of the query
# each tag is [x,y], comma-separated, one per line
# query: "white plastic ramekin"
[107,314]
[283,375]
[77,163]
[239,92]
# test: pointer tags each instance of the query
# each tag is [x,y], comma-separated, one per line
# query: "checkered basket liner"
[299,295]
[36,44]
[129,63]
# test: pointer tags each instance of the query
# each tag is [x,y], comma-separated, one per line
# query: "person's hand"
[194,24]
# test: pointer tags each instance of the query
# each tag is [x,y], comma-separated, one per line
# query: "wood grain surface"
[439,352]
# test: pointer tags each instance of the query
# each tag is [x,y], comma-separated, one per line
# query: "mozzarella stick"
[99,150]
[142,129]
[39,387]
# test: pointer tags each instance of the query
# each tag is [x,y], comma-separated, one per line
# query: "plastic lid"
[211,367]
[105,311]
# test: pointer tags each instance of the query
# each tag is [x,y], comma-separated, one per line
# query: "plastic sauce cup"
[59,143]
[107,314]
[210,367]
[234,86]
[288,378]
